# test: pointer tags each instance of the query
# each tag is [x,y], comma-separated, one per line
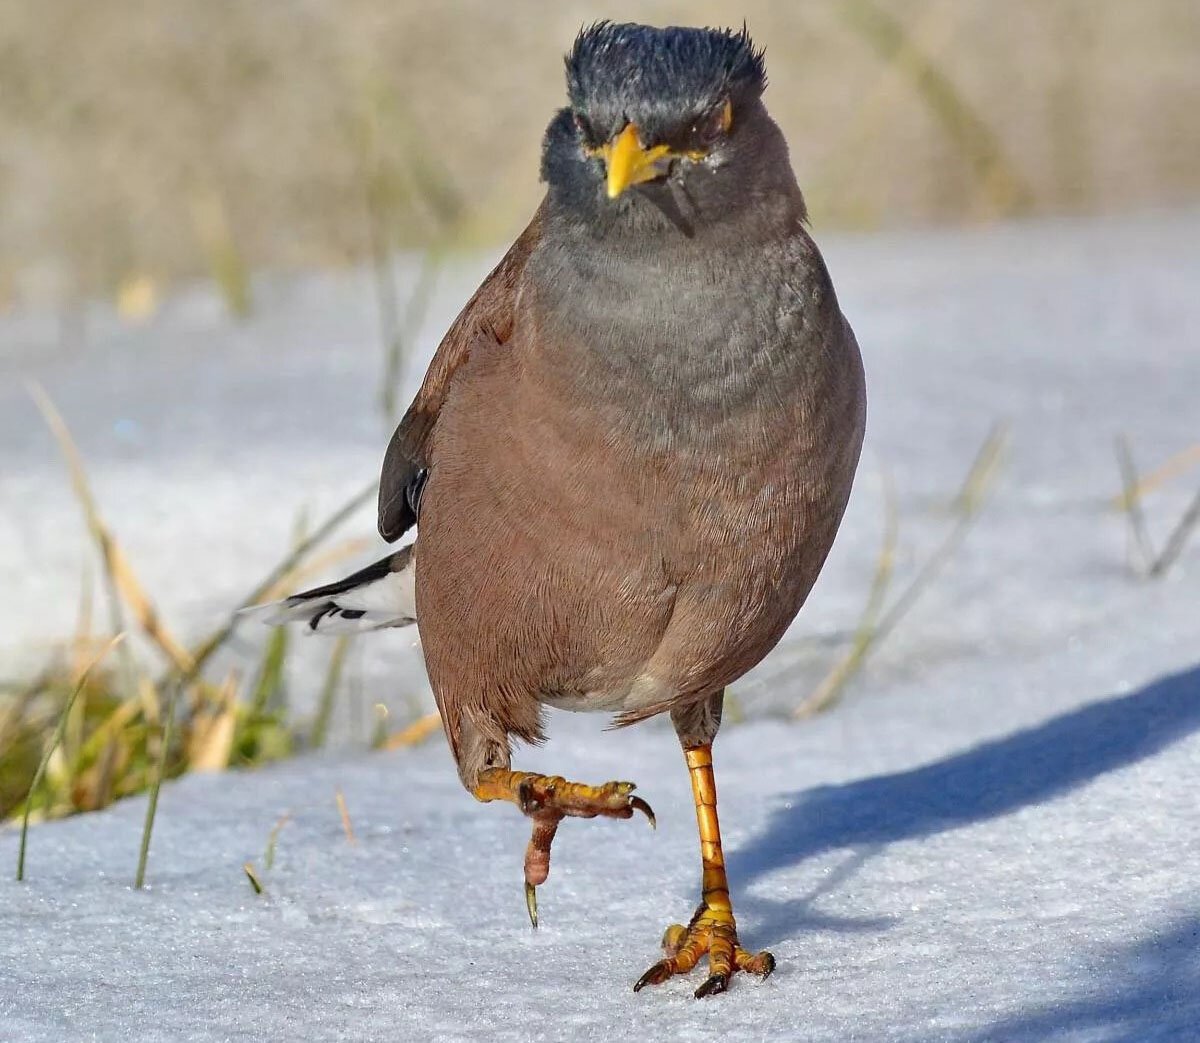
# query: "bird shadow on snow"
[1148,991]
[989,780]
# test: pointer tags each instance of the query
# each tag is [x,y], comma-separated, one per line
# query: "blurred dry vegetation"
[144,141]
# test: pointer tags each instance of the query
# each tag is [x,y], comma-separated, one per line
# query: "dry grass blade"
[379,733]
[1132,500]
[252,876]
[117,736]
[1173,467]
[379,187]
[829,691]
[82,642]
[1133,487]
[400,334]
[414,734]
[1007,191]
[979,477]
[58,734]
[969,501]
[210,738]
[304,572]
[120,574]
[875,106]
[344,812]
[258,594]
[21,696]
[1178,539]
[108,731]
[972,498]
[417,184]
[210,220]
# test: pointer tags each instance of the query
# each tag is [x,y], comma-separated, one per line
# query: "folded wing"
[489,313]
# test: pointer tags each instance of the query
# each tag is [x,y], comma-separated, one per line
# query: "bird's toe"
[711,934]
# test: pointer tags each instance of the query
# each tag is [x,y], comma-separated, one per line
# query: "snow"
[992,838]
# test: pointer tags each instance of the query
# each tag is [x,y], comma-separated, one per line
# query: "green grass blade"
[273,840]
[58,734]
[333,680]
[269,686]
[139,879]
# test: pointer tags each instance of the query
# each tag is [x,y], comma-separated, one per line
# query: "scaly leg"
[547,800]
[712,930]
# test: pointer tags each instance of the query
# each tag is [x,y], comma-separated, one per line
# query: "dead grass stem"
[1149,563]
[876,623]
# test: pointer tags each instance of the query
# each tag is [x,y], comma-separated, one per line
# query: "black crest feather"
[618,72]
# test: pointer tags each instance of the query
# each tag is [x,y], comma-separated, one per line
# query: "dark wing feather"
[489,313]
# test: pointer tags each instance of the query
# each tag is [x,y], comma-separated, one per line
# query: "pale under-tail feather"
[379,596]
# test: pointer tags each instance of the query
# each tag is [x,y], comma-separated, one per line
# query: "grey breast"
[724,345]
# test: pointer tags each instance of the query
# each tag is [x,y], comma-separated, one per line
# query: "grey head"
[664,127]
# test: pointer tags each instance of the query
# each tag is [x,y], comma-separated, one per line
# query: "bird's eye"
[585,131]
[714,125]
[709,129]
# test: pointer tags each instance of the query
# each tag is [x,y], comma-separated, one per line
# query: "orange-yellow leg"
[547,800]
[712,931]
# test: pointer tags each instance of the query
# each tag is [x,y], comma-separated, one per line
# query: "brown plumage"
[632,450]
[581,546]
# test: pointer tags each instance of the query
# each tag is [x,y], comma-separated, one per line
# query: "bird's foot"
[552,795]
[547,800]
[712,932]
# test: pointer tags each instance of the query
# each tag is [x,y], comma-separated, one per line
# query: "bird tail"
[381,595]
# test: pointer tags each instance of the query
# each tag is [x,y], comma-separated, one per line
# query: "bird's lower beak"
[630,163]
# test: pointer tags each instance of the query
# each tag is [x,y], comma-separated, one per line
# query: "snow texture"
[994,837]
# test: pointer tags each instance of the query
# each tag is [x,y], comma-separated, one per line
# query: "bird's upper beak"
[630,163]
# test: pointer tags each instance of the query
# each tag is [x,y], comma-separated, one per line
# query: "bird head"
[661,110]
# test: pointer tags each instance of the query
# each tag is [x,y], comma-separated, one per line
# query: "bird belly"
[594,539]
[640,692]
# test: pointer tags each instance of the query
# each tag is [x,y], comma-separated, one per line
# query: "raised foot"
[554,795]
[711,933]
[547,800]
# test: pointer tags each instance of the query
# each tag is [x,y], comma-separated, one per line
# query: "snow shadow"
[993,779]
[1147,991]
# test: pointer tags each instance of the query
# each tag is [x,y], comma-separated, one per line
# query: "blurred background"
[147,141]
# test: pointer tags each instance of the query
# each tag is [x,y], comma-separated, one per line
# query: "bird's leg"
[547,800]
[712,930]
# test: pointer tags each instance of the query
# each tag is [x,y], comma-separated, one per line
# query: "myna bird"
[631,451]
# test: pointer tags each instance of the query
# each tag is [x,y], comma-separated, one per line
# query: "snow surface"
[993,838]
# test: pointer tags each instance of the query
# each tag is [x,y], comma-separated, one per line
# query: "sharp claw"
[713,986]
[525,799]
[645,809]
[531,903]
[656,975]
[768,965]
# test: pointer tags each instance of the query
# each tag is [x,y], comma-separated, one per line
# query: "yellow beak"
[629,163]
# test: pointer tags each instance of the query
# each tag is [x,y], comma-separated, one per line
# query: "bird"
[631,452]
